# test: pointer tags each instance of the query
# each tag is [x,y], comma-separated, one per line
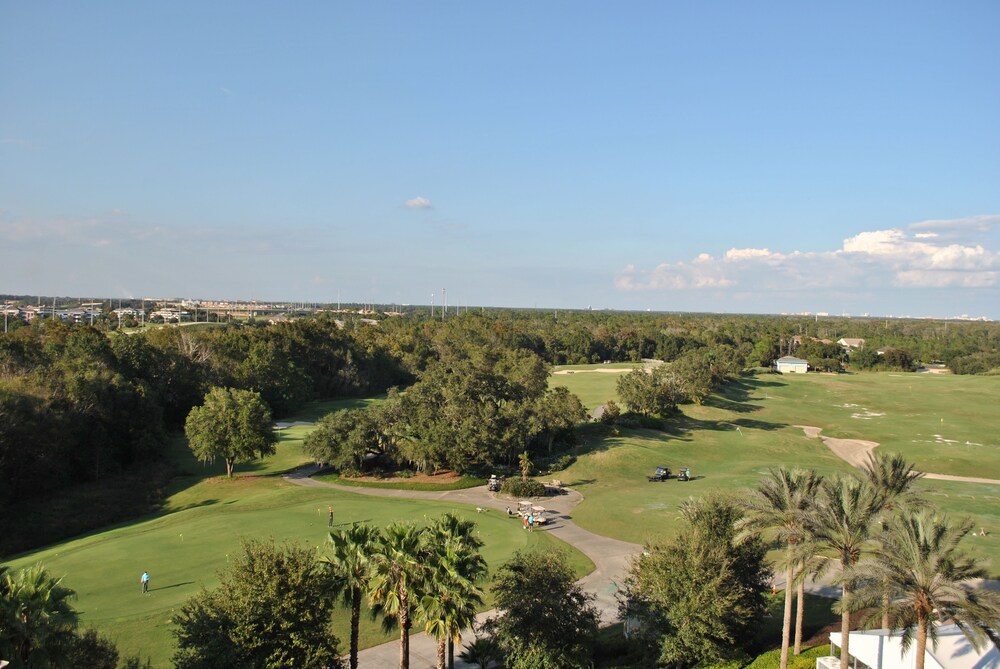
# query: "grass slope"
[203,522]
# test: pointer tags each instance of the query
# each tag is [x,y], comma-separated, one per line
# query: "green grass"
[611,469]
[203,522]
[460,484]
[591,383]
[945,424]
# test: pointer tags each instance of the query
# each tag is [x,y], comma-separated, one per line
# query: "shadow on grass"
[172,585]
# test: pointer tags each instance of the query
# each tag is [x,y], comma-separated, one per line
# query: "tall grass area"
[613,464]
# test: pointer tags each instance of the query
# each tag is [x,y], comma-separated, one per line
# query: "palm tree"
[37,617]
[781,503]
[806,557]
[930,581]
[842,524]
[450,594]
[396,571]
[349,560]
[892,477]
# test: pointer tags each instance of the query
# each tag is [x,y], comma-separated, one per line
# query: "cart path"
[855,452]
[610,556]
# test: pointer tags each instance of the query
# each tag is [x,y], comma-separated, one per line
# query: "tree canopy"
[272,608]
[232,424]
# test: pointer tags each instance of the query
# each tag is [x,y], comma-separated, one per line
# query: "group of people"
[527,518]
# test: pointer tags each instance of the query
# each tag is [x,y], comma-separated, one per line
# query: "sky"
[749,157]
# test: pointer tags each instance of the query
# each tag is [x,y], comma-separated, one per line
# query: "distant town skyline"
[705,157]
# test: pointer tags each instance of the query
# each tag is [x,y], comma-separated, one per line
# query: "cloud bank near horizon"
[955,253]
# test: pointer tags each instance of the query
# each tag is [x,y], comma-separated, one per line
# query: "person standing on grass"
[144,579]
[329,521]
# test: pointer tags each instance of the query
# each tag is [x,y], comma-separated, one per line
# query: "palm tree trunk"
[404,629]
[845,630]
[786,623]
[885,610]
[800,601]
[441,657]
[921,641]
[451,653]
[355,618]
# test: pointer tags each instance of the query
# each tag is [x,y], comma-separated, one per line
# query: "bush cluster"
[518,487]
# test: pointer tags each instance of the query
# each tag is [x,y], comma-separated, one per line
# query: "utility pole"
[432,305]
[444,300]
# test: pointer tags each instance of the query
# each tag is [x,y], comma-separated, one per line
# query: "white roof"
[881,650]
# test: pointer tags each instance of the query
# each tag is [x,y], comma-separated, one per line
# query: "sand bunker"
[855,452]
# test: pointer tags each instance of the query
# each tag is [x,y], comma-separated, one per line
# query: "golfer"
[144,579]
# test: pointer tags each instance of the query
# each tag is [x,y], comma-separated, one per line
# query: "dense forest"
[90,405]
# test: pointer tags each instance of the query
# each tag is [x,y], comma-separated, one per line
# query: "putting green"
[203,523]
[184,550]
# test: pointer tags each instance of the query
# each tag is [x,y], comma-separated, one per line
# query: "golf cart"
[661,474]
[684,474]
[493,485]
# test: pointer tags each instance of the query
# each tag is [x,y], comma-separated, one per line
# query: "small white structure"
[791,364]
[881,649]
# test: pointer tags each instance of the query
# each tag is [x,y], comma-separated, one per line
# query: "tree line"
[81,405]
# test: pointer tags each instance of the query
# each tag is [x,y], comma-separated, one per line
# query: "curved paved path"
[610,557]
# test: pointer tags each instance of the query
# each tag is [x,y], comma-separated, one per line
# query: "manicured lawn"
[203,523]
[945,424]
[611,469]
[593,384]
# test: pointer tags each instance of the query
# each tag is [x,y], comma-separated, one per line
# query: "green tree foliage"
[844,524]
[699,594]
[930,581]
[342,439]
[781,503]
[652,392]
[544,619]
[232,424]
[272,608]
[395,578]
[37,622]
[450,594]
[349,562]
[93,651]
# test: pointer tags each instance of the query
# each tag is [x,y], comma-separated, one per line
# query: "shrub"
[517,487]
[805,660]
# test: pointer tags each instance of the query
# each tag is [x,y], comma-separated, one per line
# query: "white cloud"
[892,257]
[419,202]
[982,223]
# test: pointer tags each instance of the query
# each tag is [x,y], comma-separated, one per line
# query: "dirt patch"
[441,477]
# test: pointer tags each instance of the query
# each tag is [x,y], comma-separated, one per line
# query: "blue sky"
[694,156]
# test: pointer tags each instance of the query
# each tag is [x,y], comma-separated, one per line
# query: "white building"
[879,649]
[791,364]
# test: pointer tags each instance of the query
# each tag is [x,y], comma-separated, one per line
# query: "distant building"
[851,343]
[881,649]
[791,365]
